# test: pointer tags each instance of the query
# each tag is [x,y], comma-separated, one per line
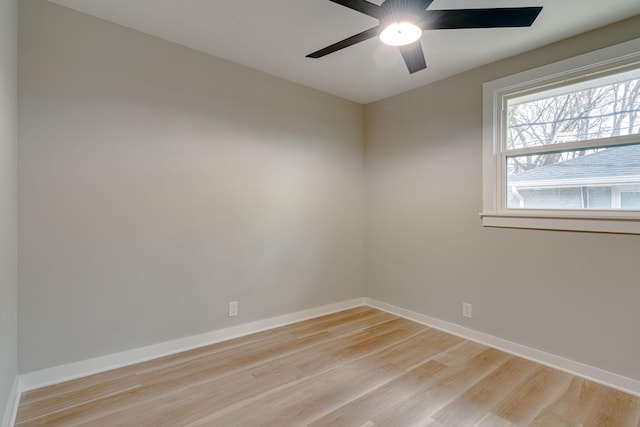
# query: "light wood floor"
[360,367]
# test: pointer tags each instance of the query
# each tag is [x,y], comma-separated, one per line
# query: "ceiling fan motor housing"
[401,11]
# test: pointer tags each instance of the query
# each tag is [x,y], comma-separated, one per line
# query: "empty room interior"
[262,213]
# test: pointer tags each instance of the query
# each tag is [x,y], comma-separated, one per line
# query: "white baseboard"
[84,368]
[58,374]
[11,409]
[610,379]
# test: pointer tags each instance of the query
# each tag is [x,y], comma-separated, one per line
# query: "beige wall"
[157,183]
[8,201]
[572,294]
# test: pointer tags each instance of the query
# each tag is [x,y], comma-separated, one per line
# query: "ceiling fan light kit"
[401,22]
[400,34]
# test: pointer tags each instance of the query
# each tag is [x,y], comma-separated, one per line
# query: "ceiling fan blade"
[362,6]
[413,57]
[480,18]
[360,37]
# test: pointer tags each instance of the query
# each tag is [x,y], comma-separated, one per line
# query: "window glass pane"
[603,178]
[630,200]
[599,108]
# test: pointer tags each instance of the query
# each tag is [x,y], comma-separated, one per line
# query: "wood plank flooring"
[359,367]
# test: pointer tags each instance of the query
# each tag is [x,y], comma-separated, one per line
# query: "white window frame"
[495,94]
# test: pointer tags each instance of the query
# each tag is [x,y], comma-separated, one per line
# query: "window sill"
[563,221]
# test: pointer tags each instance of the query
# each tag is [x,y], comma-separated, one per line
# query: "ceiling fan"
[401,22]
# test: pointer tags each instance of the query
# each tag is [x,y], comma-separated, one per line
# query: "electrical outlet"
[233,308]
[467,310]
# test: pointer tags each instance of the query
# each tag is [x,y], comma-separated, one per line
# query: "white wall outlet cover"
[233,308]
[467,310]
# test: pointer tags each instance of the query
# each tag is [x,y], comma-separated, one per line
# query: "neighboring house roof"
[614,165]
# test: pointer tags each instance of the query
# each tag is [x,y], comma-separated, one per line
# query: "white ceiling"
[275,35]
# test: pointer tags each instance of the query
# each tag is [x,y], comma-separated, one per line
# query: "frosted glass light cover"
[400,34]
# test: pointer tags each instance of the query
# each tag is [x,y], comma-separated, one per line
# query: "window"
[561,145]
